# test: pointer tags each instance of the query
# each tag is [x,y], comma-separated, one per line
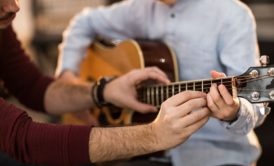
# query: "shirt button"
[172,15]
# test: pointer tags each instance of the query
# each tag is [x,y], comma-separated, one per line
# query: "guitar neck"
[156,94]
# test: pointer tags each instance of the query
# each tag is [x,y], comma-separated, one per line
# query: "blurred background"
[40,24]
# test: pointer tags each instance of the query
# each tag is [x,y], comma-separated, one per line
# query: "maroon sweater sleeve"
[20,75]
[43,144]
[20,137]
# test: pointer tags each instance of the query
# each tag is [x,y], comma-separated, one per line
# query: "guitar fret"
[167,89]
[152,96]
[194,85]
[202,86]
[172,90]
[186,86]
[162,93]
[209,83]
[179,88]
[143,96]
[148,95]
[176,89]
[157,96]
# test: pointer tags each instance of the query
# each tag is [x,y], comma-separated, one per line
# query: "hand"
[179,117]
[222,105]
[122,91]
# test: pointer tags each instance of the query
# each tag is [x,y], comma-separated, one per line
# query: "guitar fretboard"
[156,94]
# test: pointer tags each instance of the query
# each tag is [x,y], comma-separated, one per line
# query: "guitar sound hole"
[139,118]
[115,113]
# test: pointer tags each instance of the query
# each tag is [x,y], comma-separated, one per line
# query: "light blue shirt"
[205,35]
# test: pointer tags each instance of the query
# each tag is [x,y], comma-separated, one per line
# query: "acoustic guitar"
[114,59]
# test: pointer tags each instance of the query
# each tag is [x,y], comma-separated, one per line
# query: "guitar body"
[118,59]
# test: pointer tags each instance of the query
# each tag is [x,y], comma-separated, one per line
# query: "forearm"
[64,96]
[122,142]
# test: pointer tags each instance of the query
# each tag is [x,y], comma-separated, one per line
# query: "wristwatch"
[97,92]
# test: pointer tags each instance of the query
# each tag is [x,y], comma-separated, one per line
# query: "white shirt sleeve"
[249,117]
[113,22]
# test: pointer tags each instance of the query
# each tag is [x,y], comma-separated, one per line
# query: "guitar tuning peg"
[264,60]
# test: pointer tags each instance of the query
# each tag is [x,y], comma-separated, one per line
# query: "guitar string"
[190,84]
[228,83]
[204,82]
[160,100]
[229,89]
[170,94]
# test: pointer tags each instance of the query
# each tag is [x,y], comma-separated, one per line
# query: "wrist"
[156,134]
[97,92]
[232,119]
